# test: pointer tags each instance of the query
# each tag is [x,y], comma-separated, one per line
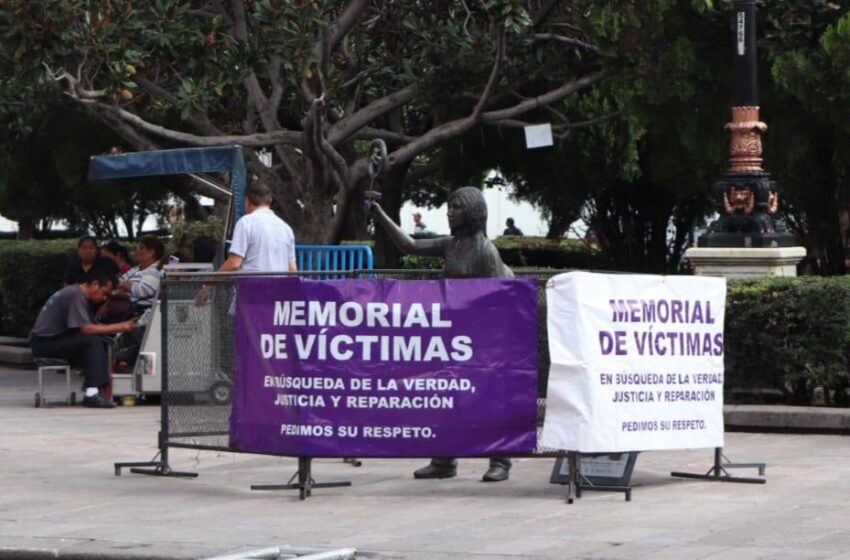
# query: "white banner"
[637,362]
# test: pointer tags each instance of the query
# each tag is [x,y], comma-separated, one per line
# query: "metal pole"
[746,63]
[164,395]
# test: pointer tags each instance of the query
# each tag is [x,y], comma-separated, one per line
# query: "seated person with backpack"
[141,283]
[65,329]
[137,290]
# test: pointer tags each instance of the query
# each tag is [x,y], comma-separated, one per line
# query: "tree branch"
[543,12]
[346,20]
[347,126]
[369,133]
[550,97]
[516,123]
[240,22]
[457,127]
[564,39]
[251,140]
[277,84]
[199,122]
[494,73]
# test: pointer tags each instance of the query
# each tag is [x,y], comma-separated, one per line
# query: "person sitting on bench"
[141,283]
[66,330]
[87,262]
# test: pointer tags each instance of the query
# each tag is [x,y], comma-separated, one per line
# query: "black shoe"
[432,471]
[496,473]
[97,401]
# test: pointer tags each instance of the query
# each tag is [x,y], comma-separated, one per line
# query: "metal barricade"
[334,258]
[198,350]
[198,356]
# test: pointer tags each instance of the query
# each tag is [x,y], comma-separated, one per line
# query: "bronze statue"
[468,254]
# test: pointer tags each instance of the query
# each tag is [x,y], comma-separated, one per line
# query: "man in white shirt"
[262,242]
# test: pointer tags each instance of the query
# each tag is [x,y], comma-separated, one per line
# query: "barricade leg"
[718,472]
[578,482]
[159,467]
[305,483]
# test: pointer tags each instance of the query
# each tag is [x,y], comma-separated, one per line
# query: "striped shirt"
[145,284]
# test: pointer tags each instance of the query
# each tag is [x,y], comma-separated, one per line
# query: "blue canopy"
[182,161]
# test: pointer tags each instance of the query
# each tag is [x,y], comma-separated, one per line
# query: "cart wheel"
[37,400]
[73,398]
[221,393]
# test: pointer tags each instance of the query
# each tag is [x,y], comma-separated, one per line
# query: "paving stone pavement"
[59,498]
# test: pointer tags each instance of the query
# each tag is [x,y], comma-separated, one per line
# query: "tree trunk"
[26,228]
[387,254]
[558,225]
[354,224]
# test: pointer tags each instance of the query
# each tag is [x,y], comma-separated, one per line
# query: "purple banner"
[385,368]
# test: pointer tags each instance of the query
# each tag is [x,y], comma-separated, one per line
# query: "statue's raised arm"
[405,243]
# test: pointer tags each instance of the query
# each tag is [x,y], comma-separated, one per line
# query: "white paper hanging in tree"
[538,136]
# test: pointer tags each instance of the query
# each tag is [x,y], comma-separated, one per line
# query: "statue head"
[739,200]
[467,212]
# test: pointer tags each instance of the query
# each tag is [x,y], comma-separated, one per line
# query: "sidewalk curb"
[814,419]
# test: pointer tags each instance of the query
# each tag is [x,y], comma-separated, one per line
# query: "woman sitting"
[141,283]
[87,263]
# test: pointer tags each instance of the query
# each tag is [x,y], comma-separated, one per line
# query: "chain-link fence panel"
[199,360]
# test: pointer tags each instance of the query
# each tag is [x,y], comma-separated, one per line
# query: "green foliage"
[789,334]
[416,262]
[221,68]
[541,253]
[43,175]
[534,253]
[185,232]
[30,271]
[805,103]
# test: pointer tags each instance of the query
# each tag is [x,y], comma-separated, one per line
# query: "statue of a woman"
[468,254]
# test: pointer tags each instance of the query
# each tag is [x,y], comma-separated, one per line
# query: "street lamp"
[746,198]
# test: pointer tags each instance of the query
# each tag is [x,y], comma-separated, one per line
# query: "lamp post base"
[754,240]
[738,262]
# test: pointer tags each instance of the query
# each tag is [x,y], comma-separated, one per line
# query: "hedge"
[30,271]
[789,335]
[530,252]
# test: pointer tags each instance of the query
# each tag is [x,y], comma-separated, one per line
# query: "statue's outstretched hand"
[370,201]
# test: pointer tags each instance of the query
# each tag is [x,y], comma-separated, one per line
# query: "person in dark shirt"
[512,229]
[87,261]
[65,329]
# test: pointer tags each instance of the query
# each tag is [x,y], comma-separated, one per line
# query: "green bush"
[531,252]
[539,252]
[789,334]
[30,271]
[185,232]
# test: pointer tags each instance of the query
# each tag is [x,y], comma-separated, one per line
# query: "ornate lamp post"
[746,198]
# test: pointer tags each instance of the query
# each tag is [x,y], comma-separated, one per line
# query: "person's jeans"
[88,352]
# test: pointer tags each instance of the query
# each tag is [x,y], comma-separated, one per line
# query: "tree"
[313,81]
[641,148]
[43,177]
[808,54]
